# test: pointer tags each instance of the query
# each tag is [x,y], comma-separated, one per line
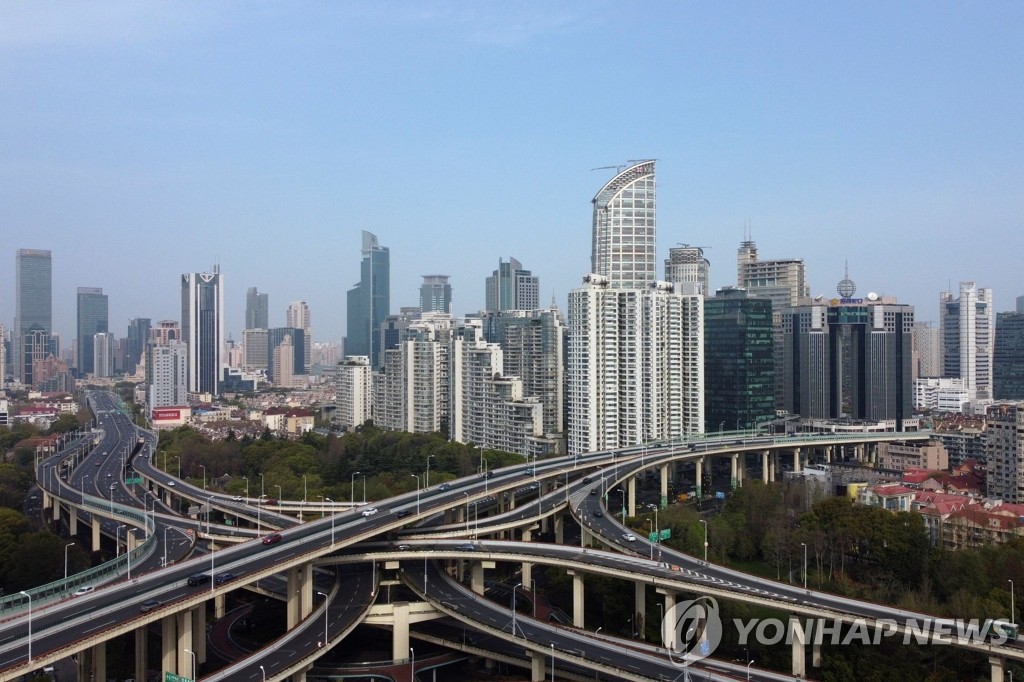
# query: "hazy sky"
[142,140]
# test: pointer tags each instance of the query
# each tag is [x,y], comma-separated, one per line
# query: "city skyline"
[146,141]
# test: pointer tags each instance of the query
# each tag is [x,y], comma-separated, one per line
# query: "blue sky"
[142,140]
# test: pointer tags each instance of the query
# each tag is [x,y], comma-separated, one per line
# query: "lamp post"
[303,488]
[203,467]
[552,662]
[209,510]
[264,673]
[364,488]
[1013,618]
[189,651]
[280,495]
[29,596]
[804,545]
[66,548]
[750,663]
[467,512]
[705,539]
[261,484]
[623,493]
[327,499]
[651,524]
[128,551]
[352,488]
[417,491]
[514,608]
[426,481]
[246,479]
[412,668]
[325,615]
[179,465]
[259,507]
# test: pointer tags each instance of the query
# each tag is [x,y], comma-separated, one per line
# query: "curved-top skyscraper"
[625,229]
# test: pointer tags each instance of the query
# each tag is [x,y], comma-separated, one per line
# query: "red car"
[272,538]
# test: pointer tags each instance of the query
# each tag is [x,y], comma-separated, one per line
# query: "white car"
[370,512]
[629,537]
[85,589]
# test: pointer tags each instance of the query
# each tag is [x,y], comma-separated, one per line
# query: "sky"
[142,140]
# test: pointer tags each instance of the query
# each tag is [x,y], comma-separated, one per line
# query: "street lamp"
[246,479]
[29,596]
[179,465]
[417,492]
[303,488]
[352,488]
[189,651]
[804,545]
[128,551]
[748,668]
[261,484]
[66,547]
[467,512]
[514,608]
[203,467]
[280,495]
[325,615]
[412,668]
[705,539]
[264,673]
[327,499]
[1013,618]
[259,507]
[623,493]
[426,482]
[209,510]
[552,662]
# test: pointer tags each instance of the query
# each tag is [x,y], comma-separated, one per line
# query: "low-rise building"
[904,455]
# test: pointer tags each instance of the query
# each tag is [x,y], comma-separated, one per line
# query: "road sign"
[663,534]
[171,677]
[130,481]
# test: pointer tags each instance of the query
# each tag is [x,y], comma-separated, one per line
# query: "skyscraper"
[436,294]
[257,309]
[169,383]
[783,281]
[848,360]
[967,324]
[510,287]
[927,350]
[202,327]
[623,248]
[1008,358]
[1004,450]
[687,268]
[102,355]
[92,320]
[295,338]
[369,301]
[297,316]
[354,391]
[33,303]
[138,337]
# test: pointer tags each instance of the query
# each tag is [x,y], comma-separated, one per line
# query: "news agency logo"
[692,630]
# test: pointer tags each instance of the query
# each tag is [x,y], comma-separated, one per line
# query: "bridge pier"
[664,485]
[56,507]
[816,654]
[168,644]
[734,460]
[99,661]
[400,631]
[476,577]
[559,529]
[300,593]
[764,466]
[527,568]
[828,454]
[538,666]
[199,625]
[797,460]
[640,607]
[796,634]
[73,520]
[699,476]
[141,652]
[577,598]
[219,606]
[82,667]
[631,496]
[998,668]
[183,621]
[95,533]
[773,467]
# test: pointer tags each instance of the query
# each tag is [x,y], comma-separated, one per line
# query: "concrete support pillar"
[631,496]
[168,644]
[511,499]
[537,666]
[640,607]
[764,466]
[82,667]
[476,577]
[577,599]
[199,625]
[95,533]
[734,461]
[99,661]
[527,568]
[56,508]
[306,589]
[699,475]
[559,529]
[796,635]
[400,631]
[828,454]
[73,520]
[219,608]
[670,600]
[816,654]
[798,455]
[586,537]
[167,497]
[664,486]
[774,466]
[741,469]
[185,644]
[130,542]
[998,668]
[293,599]
[141,652]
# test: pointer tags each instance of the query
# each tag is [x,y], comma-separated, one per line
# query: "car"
[487,474]
[198,579]
[171,484]
[149,605]
[84,589]
[530,471]
[222,578]
[598,513]
[237,498]
[587,479]
[593,491]
[272,539]
[402,514]
[108,474]
[466,547]
[403,548]
[369,512]
[444,486]
[98,463]
[629,537]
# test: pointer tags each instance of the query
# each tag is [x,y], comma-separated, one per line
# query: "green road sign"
[171,677]
[130,481]
[664,534]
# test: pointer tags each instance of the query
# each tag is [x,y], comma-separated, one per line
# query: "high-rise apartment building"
[411,391]
[510,287]
[927,351]
[92,320]
[3,357]
[967,325]
[1004,449]
[624,229]
[256,351]
[102,348]
[138,337]
[202,328]
[296,343]
[783,281]
[848,360]
[1008,357]
[739,361]
[354,392]
[257,309]
[688,269]
[283,363]
[436,294]
[169,384]
[33,307]
[369,301]
[533,343]
[297,316]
